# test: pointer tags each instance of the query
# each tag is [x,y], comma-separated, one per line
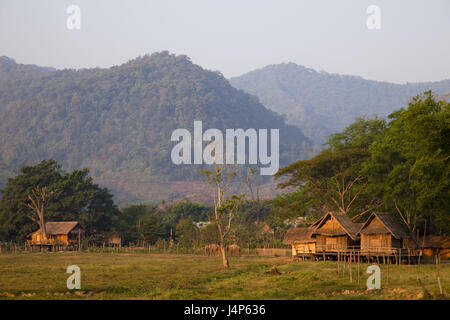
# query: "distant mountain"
[118,121]
[322,103]
[10,70]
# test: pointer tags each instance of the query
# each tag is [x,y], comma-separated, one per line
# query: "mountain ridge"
[118,121]
[323,103]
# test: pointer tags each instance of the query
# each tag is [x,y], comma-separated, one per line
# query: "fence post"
[438,276]
[350,270]
[338,257]
[387,274]
[359,254]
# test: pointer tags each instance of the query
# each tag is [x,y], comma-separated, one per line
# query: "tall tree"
[39,199]
[332,180]
[409,165]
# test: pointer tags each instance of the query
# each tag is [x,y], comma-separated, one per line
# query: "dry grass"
[170,276]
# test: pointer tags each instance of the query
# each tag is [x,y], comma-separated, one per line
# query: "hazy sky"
[236,36]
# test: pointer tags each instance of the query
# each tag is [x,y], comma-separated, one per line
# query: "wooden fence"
[16,247]
[274,252]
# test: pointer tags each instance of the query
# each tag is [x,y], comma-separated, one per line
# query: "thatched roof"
[390,223]
[348,227]
[317,221]
[298,235]
[64,227]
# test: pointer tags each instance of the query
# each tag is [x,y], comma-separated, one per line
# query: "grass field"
[170,276]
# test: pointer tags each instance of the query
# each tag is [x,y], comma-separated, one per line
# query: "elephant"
[234,250]
[212,249]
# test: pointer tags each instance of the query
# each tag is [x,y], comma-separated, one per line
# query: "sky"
[236,36]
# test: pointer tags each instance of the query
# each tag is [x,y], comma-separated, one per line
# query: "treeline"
[399,165]
[77,198]
[189,224]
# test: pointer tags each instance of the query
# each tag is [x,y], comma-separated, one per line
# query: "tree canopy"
[400,166]
[75,197]
[409,164]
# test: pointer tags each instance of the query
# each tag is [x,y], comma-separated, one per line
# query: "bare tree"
[226,202]
[256,201]
[339,192]
[409,218]
[39,198]
[334,180]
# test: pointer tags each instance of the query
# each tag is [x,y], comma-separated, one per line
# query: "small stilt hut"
[335,232]
[300,241]
[65,234]
[433,245]
[382,233]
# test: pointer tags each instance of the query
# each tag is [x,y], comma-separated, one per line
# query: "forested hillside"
[10,70]
[118,121]
[322,103]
